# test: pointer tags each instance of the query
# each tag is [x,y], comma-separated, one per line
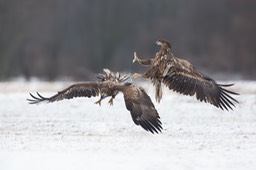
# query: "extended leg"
[144,62]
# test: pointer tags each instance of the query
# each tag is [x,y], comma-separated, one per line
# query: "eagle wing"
[182,77]
[85,89]
[142,109]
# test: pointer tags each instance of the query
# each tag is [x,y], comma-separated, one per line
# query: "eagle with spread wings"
[181,76]
[137,101]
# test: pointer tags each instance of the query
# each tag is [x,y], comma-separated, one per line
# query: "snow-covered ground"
[77,134]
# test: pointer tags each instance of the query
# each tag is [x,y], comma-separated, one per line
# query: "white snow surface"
[77,134]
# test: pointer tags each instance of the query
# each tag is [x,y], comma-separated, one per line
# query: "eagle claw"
[135,57]
[136,75]
[111,102]
[98,102]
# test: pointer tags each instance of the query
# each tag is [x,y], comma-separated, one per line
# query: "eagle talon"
[135,57]
[98,102]
[136,75]
[111,102]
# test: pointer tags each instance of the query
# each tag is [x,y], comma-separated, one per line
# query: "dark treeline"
[62,38]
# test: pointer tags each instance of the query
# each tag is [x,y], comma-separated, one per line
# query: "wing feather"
[142,109]
[182,77]
[85,89]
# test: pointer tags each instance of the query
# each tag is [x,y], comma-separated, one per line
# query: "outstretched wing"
[142,109]
[85,89]
[182,77]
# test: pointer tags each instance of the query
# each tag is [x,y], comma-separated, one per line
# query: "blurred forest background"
[53,39]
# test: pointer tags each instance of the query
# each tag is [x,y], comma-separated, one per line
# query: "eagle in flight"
[109,84]
[181,76]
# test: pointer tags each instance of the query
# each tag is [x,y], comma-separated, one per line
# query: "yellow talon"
[98,102]
[136,75]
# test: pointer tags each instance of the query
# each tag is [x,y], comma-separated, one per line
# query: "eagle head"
[164,44]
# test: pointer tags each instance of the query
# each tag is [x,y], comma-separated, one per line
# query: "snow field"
[77,134]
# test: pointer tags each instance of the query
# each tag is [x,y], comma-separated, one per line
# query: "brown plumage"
[137,101]
[181,76]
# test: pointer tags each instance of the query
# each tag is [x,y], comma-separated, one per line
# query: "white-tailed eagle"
[137,101]
[181,76]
